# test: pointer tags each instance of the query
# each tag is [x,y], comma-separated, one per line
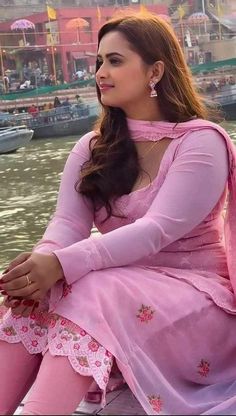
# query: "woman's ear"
[158,69]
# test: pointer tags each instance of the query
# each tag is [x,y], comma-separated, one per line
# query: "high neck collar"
[156,130]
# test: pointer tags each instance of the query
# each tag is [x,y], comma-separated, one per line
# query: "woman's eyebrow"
[109,55]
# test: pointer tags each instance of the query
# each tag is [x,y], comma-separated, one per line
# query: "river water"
[29,185]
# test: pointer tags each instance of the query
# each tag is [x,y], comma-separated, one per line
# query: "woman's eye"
[115,61]
[99,63]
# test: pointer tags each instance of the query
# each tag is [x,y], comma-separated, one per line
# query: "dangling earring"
[153,92]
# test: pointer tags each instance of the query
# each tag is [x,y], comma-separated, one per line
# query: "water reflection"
[29,186]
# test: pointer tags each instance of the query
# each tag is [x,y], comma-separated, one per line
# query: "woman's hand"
[21,307]
[17,305]
[32,278]
[18,260]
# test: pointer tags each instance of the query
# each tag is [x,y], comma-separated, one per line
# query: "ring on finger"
[29,282]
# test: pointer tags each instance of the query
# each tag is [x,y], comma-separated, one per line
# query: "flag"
[143,9]
[52,14]
[99,15]
[181,12]
[219,9]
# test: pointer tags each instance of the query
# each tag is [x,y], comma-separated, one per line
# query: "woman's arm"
[193,186]
[73,218]
[72,222]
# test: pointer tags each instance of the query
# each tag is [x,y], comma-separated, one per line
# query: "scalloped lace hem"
[47,331]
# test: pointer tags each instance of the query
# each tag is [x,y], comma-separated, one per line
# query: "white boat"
[12,138]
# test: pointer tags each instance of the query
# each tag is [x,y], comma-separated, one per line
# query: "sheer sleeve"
[193,185]
[73,218]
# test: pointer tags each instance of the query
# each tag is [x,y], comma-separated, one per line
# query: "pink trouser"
[57,390]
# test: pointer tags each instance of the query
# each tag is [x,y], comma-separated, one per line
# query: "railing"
[222,98]
[48,117]
[226,95]
[11,129]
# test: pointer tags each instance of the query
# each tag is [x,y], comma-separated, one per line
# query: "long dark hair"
[114,166]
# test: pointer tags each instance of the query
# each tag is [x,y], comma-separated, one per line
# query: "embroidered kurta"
[153,289]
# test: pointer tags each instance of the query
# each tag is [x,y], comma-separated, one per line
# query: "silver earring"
[153,92]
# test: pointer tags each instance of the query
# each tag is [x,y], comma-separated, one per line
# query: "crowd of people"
[213,84]
[33,75]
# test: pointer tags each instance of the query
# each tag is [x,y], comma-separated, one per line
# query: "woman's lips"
[105,87]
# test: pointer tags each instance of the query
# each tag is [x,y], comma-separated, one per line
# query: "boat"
[226,102]
[61,121]
[14,137]
[216,81]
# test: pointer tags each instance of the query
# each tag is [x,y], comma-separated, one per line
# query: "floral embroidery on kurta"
[156,403]
[66,290]
[83,361]
[9,331]
[93,346]
[145,313]
[204,368]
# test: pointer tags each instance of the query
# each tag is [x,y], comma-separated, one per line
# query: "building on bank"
[53,48]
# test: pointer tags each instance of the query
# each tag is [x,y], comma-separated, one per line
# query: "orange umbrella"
[77,23]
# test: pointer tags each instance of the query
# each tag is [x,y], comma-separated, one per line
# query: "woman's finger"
[20,270]
[6,301]
[11,302]
[21,307]
[19,310]
[25,292]
[16,284]
[18,260]
[26,308]
[27,311]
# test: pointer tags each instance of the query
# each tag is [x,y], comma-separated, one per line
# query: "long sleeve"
[73,218]
[192,187]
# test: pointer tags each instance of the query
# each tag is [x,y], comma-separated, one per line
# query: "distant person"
[60,76]
[79,74]
[57,102]
[79,99]
[6,82]
[66,102]
[33,110]
[26,85]
[46,106]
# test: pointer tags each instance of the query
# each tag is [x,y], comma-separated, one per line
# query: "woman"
[152,293]
[57,102]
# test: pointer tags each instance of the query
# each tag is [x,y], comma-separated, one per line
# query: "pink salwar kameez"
[155,289]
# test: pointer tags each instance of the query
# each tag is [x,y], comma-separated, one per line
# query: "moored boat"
[226,100]
[217,82]
[12,138]
[60,121]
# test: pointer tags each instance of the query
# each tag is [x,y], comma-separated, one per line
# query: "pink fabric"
[67,388]
[18,371]
[47,331]
[155,289]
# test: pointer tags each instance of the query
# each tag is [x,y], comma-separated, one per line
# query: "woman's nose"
[102,71]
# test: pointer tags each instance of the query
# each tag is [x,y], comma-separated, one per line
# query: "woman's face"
[123,78]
